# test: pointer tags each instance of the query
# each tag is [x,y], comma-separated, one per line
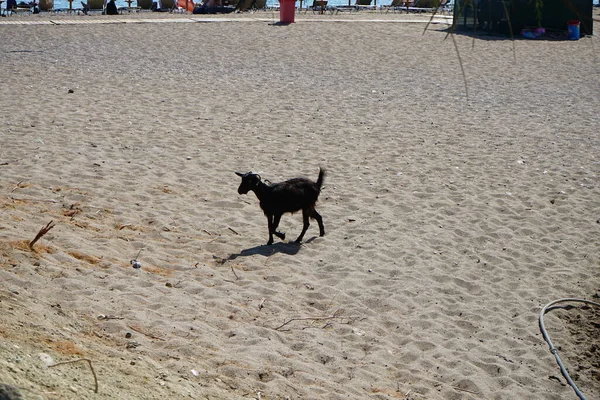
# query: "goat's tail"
[321,177]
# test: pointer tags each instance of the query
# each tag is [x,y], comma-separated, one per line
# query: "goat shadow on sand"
[289,248]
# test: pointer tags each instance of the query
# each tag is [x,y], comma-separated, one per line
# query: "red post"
[287,10]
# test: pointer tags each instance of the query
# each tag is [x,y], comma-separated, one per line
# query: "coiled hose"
[553,349]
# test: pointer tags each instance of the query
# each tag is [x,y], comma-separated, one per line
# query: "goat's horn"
[239,174]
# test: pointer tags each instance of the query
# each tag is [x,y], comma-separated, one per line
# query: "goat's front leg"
[305,216]
[270,225]
[276,220]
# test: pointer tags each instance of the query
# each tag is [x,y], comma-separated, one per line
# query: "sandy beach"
[453,213]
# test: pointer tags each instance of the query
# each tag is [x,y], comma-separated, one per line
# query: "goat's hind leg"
[317,216]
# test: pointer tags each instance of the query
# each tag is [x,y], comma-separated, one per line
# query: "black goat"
[290,196]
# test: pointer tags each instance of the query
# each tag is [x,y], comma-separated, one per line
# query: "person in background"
[11,5]
[111,8]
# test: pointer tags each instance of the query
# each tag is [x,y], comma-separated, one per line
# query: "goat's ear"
[239,174]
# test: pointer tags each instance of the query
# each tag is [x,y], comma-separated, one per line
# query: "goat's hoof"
[270,242]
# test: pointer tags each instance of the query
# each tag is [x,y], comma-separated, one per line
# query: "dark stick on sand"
[81,359]
[41,233]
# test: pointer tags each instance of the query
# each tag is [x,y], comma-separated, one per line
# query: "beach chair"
[318,6]
[357,6]
[365,4]
[13,8]
[96,6]
[420,6]
[394,5]
[129,8]
[144,4]
[216,7]
[403,5]
[167,5]
[245,5]
[447,7]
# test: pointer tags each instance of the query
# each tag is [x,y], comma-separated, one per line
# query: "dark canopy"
[490,15]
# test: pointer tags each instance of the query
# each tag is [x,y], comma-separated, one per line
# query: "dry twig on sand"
[150,335]
[304,319]
[81,359]
[17,186]
[464,390]
[30,199]
[41,233]
[333,316]
[237,278]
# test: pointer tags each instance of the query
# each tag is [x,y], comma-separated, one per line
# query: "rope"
[553,349]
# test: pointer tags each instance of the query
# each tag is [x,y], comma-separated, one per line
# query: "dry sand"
[450,221]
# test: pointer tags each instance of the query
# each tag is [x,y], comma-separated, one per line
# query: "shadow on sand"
[497,36]
[268,250]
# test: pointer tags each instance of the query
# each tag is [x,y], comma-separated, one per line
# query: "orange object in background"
[186,5]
